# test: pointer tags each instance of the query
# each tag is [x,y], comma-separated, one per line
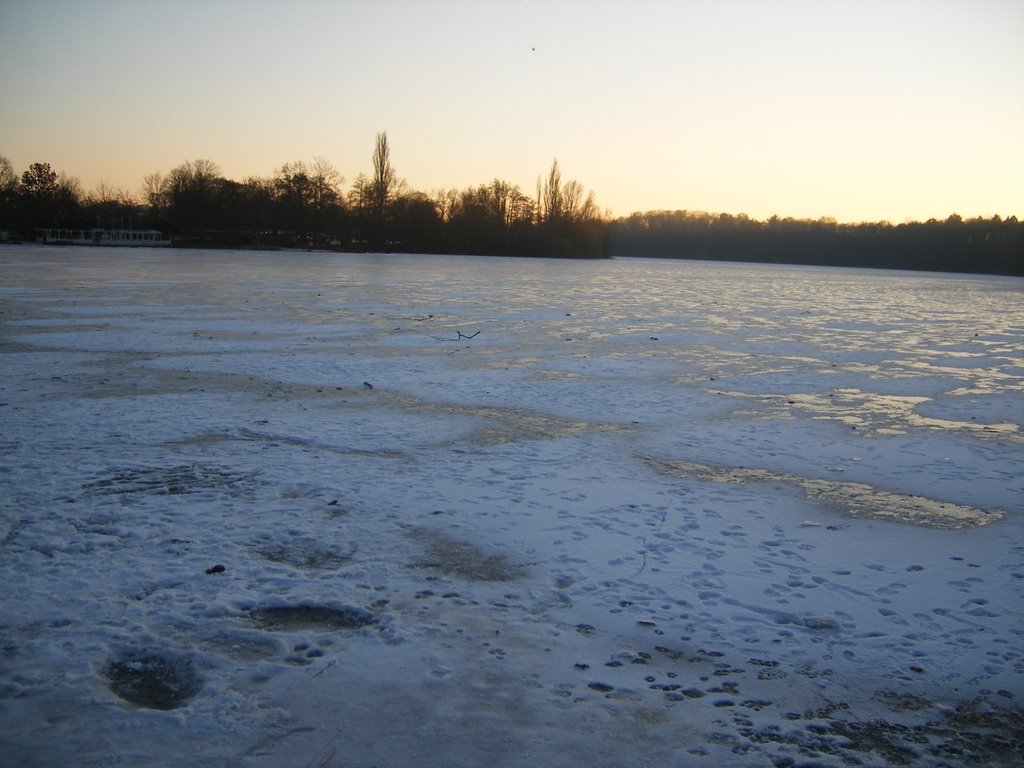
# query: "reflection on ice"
[853,499]
[882,414]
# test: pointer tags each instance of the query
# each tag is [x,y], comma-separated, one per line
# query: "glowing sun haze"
[864,110]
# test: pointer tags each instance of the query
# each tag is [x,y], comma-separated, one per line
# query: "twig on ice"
[643,565]
[325,668]
[668,508]
[643,539]
[460,337]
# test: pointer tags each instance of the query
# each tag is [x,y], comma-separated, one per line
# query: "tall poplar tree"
[382,184]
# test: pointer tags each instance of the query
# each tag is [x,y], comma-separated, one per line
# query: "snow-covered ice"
[337,510]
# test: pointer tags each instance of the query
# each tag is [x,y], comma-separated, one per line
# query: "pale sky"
[861,110]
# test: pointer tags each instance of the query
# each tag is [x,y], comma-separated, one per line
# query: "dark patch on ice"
[308,444]
[462,559]
[902,702]
[288,618]
[172,481]
[152,680]
[305,553]
[973,733]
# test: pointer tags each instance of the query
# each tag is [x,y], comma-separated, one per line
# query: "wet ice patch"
[972,733]
[172,481]
[304,552]
[153,680]
[306,616]
[463,559]
[995,412]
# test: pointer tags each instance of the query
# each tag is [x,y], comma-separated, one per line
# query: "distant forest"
[305,205]
[992,246]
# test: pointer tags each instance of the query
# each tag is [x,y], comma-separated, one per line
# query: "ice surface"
[336,510]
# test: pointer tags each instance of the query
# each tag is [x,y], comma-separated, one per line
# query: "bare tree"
[360,198]
[576,207]
[69,195]
[509,203]
[106,193]
[559,200]
[8,178]
[191,190]
[295,195]
[446,202]
[108,205]
[193,176]
[521,207]
[154,193]
[549,194]
[293,184]
[326,183]
[8,192]
[382,186]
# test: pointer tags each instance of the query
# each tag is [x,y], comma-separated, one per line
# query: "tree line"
[994,245]
[306,205]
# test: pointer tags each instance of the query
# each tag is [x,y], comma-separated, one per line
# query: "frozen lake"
[339,510]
